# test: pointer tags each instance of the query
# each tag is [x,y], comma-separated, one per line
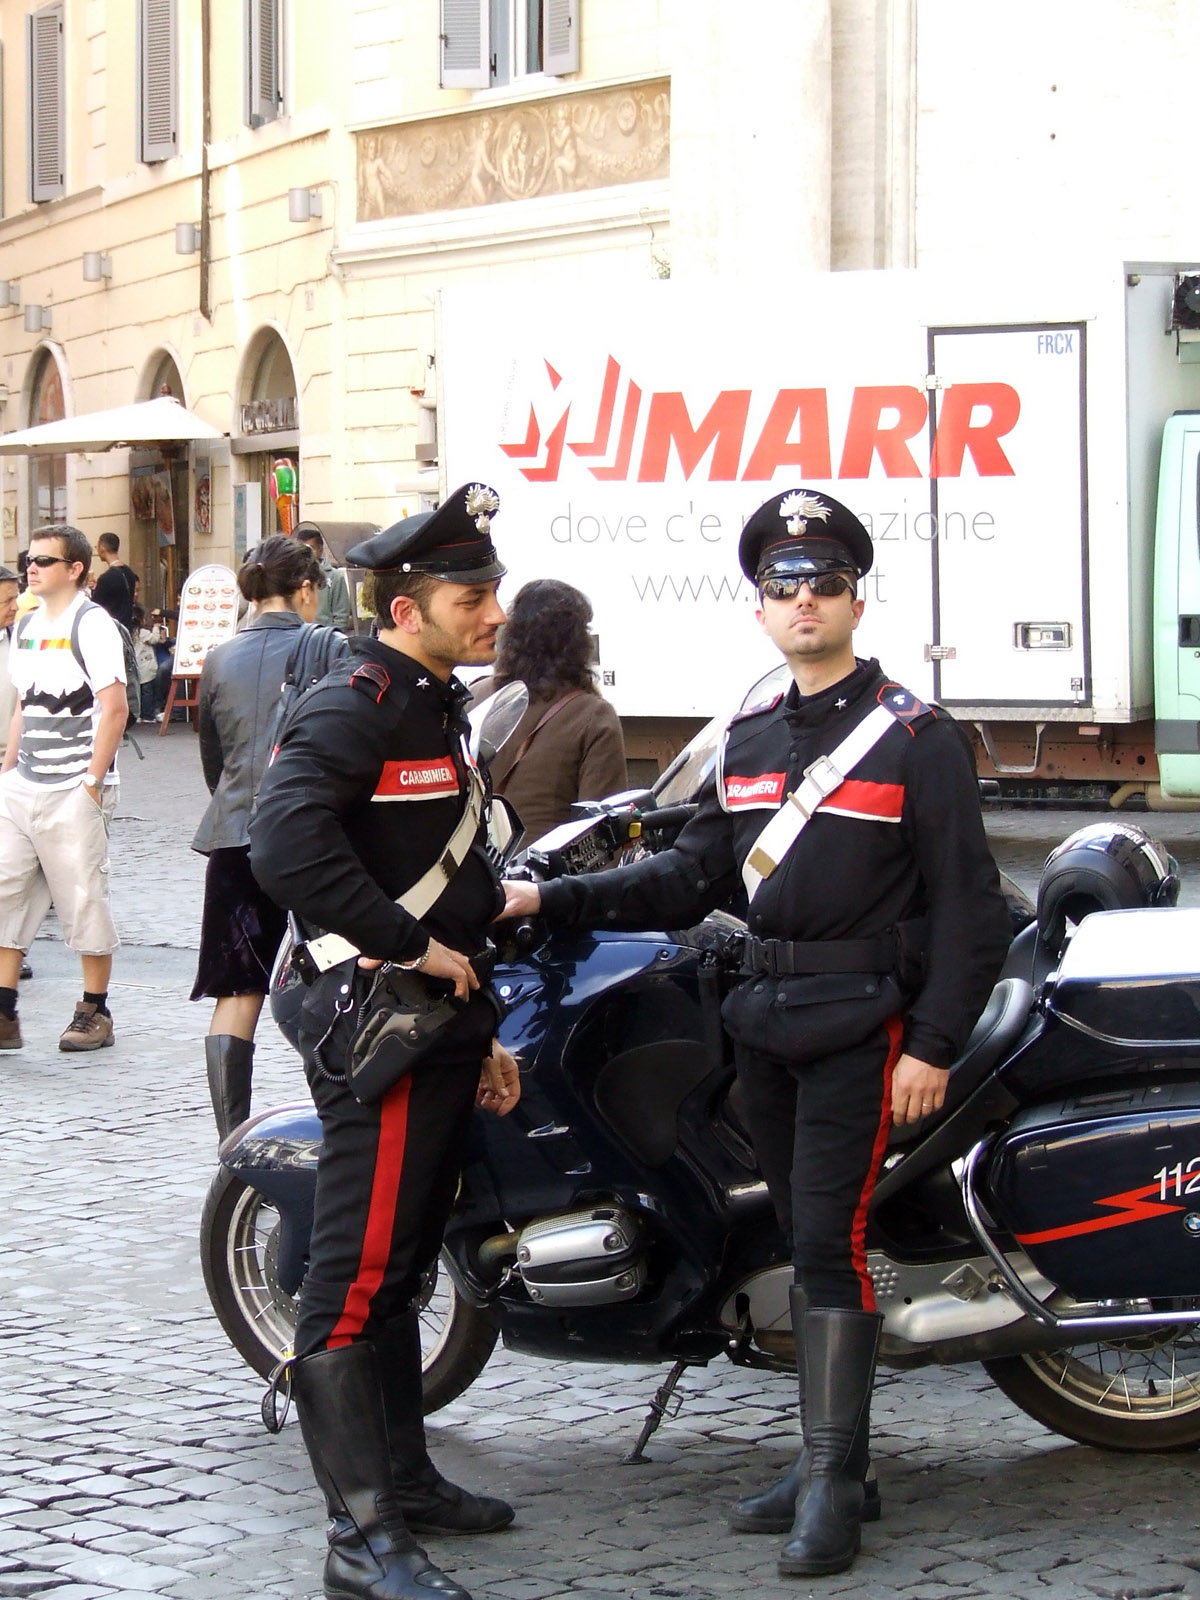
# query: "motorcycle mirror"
[494,721]
[504,828]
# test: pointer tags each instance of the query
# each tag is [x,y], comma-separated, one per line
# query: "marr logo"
[634,434]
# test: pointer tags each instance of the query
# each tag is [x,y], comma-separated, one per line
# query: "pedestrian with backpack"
[241,927]
[58,782]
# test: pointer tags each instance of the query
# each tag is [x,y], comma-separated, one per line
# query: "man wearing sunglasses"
[58,782]
[849,814]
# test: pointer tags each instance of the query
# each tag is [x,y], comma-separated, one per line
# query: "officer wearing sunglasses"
[875,930]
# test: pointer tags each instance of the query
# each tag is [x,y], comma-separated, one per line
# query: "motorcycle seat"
[1002,1022]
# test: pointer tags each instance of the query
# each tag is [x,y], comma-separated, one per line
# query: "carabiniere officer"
[876,928]
[371,781]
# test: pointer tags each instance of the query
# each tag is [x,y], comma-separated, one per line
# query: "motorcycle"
[1045,1223]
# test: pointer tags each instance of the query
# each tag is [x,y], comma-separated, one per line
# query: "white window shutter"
[47,103]
[156,34]
[465,45]
[560,37]
[264,61]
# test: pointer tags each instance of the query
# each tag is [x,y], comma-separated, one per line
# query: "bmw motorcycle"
[1045,1223]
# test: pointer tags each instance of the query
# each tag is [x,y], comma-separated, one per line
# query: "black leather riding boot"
[372,1554]
[430,1503]
[838,1361]
[230,1063]
[773,1510]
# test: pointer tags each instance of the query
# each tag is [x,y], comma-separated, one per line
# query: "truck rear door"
[1010,560]
[1177,609]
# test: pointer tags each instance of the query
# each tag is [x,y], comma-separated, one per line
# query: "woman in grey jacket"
[241,928]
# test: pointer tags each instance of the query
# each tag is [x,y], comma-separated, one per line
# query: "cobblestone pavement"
[133,1462]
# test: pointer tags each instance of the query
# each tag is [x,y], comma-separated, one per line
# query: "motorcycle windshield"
[683,780]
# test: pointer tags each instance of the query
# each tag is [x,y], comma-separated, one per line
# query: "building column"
[751,137]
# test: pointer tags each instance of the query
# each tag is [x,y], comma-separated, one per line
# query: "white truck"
[1001,438]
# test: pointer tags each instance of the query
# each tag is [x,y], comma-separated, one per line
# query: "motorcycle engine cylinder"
[582,1258]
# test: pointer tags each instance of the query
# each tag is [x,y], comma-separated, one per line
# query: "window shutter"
[465,49]
[47,125]
[264,61]
[159,137]
[560,37]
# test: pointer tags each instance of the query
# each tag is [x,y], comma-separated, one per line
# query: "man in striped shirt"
[58,782]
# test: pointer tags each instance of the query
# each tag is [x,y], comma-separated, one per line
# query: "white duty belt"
[331,949]
[826,774]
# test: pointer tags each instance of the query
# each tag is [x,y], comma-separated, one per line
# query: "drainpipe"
[205,140]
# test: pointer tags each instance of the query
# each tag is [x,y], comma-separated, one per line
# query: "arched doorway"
[164,378]
[47,474]
[159,521]
[267,498]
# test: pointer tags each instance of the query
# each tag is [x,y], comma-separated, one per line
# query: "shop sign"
[269,416]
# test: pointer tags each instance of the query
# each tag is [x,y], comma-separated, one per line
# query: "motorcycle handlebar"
[668,817]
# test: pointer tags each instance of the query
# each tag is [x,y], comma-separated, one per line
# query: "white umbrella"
[145,422]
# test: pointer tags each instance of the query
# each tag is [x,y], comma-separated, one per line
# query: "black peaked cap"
[803,530]
[453,543]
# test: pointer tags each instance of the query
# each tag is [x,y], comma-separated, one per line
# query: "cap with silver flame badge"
[803,531]
[453,543]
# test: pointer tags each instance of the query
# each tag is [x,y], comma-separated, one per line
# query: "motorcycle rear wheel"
[1132,1393]
[239,1234]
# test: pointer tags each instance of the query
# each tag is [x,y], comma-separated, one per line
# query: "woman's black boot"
[230,1063]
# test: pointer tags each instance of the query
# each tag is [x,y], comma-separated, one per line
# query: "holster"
[399,1022]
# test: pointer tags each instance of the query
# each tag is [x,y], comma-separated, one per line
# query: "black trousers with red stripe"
[386,1181]
[820,1131]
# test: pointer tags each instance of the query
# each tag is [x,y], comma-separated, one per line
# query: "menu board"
[208,615]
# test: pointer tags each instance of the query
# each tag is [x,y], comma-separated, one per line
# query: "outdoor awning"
[146,422]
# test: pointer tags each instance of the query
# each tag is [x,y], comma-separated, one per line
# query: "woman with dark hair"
[241,928]
[568,746]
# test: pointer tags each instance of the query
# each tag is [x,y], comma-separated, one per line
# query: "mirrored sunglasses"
[824,585]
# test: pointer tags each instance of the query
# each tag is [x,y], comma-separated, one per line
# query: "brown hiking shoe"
[90,1029]
[10,1033]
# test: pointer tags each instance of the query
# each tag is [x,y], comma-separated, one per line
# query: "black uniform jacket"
[903,838]
[365,790]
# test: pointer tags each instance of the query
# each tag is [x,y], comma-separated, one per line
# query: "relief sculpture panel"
[546,146]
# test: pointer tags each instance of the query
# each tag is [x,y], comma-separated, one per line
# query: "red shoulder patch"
[370,678]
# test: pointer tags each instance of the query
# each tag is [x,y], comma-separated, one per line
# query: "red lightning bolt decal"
[1134,1205]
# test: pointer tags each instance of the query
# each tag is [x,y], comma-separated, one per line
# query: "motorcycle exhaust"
[943,1311]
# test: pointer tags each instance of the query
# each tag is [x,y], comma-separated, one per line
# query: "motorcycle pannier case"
[1102,1191]
[1131,977]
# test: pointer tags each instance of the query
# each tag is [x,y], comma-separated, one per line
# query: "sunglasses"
[824,585]
[47,561]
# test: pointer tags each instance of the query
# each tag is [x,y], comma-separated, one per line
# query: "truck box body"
[999,436]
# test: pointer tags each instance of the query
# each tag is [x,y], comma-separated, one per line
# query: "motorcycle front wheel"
[1133,1392]
[239,1240]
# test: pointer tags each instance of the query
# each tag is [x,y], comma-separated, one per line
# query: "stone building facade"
[336,167]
